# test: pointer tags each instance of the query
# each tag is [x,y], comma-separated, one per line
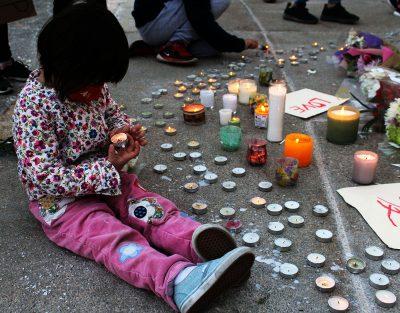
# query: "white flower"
[393,111]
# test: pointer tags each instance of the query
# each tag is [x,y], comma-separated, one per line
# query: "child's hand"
[119,158]
[251,43]
[135,131]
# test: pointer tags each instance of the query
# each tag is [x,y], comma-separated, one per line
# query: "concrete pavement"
[37,276]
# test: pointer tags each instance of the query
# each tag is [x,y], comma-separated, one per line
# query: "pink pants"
[120,232]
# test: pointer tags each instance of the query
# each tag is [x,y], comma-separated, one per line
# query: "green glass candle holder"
[230,137]
[265,75]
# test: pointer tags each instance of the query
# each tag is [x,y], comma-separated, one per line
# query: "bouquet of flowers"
[392,120]
[364,50]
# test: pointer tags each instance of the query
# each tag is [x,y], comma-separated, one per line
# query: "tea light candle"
[229,186]
[296,221]
[274,209]
[355,265]
[251,239]
[156,94]
[325,284]
[212,80]
[288,270]
[227,212]
[390,266]
[258,202]
[199,208]
[225,76]
[146,100]
[170,131]
[179,156]
[188,100]
[168,115]
[247,88]
[199,169]
[322,49]
[293,58]
[211,178]
[225,116]
[231,74]
[201,85]
[300,147]
[160,168]
[374,253]
[194,114]
[235,121]
[320,210]
[178,95]
[229,101]
[178,82]
[191,187]
[314,44]
[193,144]
[338,304]
[195,155]
[146,114]
[342,124]
[265,186]
[324,235]
[282,244]
[233,86]
[294,63]
[233,226]
[275,228]
[158,106]
[195,91]
[277,96]
[191,77]
[281,62]
[119,140]
[316,260]
[385,298]
[220,160]
[207,98]
[292,206]
[238,172]
[166,147]
[364,167]
[379,281]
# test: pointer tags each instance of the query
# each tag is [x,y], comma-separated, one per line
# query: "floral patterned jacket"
[61,145]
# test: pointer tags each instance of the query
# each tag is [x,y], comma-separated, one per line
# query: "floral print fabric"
[61,146]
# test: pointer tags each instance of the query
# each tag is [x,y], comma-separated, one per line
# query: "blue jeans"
[172,25]
[329,1]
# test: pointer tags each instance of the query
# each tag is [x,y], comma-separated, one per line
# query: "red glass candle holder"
[257,152]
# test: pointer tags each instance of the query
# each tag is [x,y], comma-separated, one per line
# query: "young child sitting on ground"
[183,30]
[63,119]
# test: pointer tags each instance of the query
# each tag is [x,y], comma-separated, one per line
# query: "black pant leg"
[59,5]
[5,51]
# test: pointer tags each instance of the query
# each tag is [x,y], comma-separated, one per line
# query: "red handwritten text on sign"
[314,103]
[391,208]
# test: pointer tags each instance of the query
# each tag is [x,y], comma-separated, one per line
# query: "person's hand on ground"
[135,131]
[118,158]
[251,43]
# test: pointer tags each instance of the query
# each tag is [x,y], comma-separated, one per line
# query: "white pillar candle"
[277,96]
[233,86]
[229,101]
[247,88]
[225,116]
[207,98]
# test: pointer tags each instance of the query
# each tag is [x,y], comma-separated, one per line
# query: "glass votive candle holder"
[342,124]
[233,86]
[257,152]
[287,172]
[230,137]
[247,89]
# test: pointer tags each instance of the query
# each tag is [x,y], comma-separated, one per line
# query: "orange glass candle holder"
[257,152]
[194,114]
[300,147]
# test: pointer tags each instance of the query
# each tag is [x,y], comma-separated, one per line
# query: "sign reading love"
[306,103]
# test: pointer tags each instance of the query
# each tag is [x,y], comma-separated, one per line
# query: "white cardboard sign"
[379,205]
[306,103]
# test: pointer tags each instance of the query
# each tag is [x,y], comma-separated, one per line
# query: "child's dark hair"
[81,46]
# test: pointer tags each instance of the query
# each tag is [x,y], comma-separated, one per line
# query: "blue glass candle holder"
[230,137]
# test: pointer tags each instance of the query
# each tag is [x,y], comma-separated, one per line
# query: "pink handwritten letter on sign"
[306,103]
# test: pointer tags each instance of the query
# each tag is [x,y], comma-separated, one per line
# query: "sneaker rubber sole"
[176,62]
[211,242]
[298,20]
[226,275]
[6,91]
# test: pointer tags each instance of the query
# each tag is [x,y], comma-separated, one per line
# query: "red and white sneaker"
[176,52]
